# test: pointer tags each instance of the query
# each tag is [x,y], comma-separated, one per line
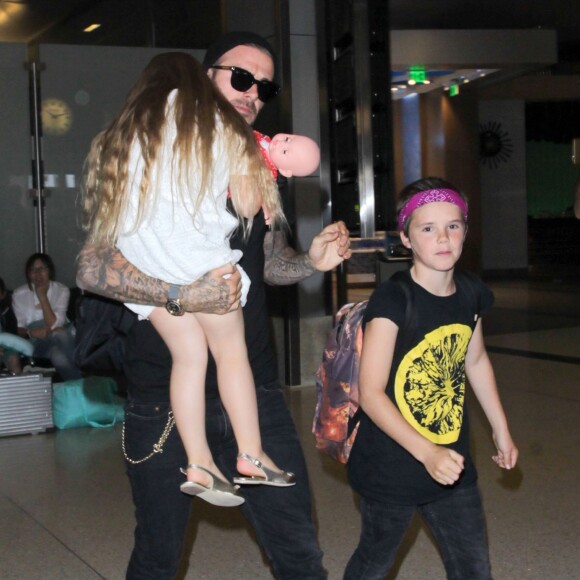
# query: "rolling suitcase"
[25,404]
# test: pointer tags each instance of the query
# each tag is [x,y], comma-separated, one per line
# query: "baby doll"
[289,155]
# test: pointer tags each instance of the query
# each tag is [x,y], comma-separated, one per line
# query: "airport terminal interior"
[66,511]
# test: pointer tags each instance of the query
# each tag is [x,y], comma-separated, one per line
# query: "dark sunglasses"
[242,81]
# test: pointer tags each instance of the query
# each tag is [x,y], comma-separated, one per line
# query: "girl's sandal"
[219,492]
[270,477]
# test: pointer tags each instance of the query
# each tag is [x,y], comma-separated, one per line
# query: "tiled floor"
[66,513]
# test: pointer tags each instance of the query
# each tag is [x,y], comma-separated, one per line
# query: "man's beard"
[251,112]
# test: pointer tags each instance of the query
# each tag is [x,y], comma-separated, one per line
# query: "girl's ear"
[406,241]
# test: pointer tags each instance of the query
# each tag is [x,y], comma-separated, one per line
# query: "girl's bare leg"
[187,343]
[227,343]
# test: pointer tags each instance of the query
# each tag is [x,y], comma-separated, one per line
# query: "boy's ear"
[285,172]
[406,241]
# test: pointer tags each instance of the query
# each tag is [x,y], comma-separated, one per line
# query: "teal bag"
[88,402]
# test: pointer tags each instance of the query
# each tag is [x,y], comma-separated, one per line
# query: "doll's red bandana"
[264,142]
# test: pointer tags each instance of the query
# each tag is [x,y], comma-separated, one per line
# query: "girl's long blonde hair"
[198,108]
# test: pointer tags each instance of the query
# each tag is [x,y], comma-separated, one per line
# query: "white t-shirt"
[27,306]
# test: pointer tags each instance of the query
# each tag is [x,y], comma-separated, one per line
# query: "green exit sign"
[417,73]
[453,90]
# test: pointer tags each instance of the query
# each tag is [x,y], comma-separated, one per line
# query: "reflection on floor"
[66,512]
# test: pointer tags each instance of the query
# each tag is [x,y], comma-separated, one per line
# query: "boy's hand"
[444,465]
[507,452]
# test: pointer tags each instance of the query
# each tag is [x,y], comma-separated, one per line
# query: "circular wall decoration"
[495,144]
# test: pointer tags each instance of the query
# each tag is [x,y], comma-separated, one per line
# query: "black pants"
[281,517]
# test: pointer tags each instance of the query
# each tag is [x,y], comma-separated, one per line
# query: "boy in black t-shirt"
[412,448]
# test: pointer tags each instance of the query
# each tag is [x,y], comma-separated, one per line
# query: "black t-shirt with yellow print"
[427,385]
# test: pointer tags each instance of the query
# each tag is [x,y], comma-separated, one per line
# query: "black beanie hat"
[232,39]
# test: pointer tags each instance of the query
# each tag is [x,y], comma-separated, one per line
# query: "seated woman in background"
[8,357]
[40,307]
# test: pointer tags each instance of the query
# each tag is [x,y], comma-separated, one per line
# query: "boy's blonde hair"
[198,109]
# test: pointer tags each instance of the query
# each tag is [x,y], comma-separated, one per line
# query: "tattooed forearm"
[284,265]
[105,271]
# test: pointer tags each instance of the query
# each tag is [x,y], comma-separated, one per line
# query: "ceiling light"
[91,27]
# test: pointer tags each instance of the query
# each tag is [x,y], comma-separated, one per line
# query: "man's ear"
[406,241]
[285,172]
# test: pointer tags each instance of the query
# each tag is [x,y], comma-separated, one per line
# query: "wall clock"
[56,117]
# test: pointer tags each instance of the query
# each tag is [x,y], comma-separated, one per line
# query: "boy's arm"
[443,465]
[104,270]
[285,266]
[482,379]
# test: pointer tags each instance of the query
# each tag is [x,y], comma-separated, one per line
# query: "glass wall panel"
[83,88]
[17,217]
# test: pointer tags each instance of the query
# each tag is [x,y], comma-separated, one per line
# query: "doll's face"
[294,155]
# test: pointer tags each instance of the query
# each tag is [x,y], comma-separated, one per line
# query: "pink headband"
[431,196]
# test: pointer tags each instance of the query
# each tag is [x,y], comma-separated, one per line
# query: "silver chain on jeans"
[157,447]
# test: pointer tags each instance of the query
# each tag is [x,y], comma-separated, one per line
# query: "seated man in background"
[40,307]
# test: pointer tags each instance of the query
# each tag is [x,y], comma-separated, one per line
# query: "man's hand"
[284,266]
[216,292]
[330,247]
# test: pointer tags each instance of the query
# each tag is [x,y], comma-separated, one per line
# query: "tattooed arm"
[104,270]
[285,266]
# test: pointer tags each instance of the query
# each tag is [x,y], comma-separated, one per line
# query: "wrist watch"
[173,304]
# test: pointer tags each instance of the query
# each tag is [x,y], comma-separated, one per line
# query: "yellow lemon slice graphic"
[430,383]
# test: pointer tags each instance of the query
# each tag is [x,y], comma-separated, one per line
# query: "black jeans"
[457,523]
[281,518]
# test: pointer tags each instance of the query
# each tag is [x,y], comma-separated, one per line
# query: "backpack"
[102,326]
[337,413]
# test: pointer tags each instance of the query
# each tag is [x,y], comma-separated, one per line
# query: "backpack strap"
[467,281]
[405,334]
